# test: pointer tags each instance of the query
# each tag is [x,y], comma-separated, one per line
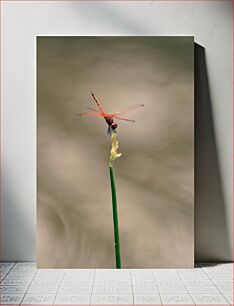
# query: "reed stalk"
[115,219]
[113,156]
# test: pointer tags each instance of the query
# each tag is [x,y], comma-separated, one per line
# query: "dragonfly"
[109,118]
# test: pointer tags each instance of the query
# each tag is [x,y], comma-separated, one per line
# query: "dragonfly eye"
[114,126]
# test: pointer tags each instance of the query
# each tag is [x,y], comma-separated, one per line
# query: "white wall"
[211,24]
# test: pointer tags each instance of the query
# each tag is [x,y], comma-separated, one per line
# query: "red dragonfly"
[109,118]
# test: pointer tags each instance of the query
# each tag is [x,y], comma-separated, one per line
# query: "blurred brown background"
[154,176]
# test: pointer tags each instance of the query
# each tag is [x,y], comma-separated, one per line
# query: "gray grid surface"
[207,284]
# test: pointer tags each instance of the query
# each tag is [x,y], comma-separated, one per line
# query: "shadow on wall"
[211,232]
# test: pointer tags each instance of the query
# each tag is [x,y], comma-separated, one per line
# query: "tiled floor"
[208,284]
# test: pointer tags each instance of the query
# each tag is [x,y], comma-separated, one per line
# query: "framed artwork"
[140,89]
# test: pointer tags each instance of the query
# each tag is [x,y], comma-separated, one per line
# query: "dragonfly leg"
[111,130]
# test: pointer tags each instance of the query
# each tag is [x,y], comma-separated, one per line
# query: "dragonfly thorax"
[112,126]
[109,120]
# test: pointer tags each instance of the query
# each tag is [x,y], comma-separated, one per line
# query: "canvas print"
[115,152]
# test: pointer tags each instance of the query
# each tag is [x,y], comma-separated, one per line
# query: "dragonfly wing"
[125,119]
[93,109]
[92,114]
[127,109]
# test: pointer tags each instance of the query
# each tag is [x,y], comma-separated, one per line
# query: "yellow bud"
[114,147]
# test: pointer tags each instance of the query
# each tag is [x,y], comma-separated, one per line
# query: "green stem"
[115,219]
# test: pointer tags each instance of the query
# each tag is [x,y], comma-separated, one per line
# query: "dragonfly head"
[114,126]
